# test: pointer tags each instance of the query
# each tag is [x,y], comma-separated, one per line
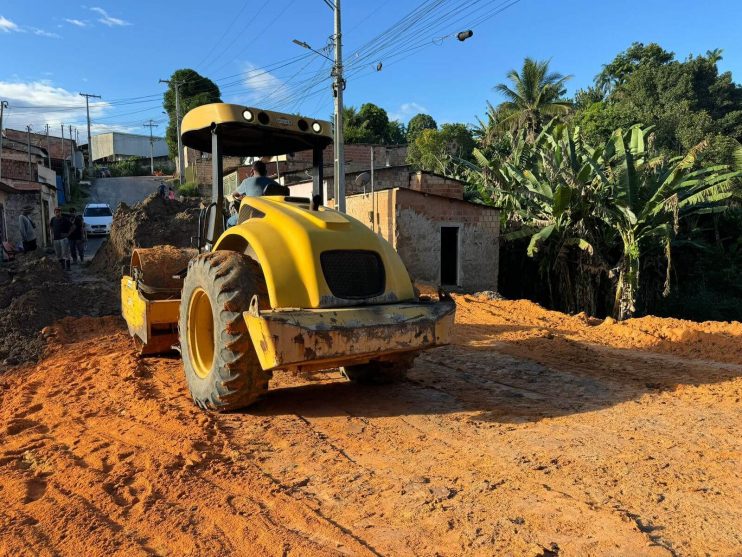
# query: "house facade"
[26,184]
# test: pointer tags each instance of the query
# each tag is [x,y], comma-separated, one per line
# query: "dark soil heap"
[34,293]
[153,222]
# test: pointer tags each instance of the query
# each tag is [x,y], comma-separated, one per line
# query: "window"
[97,212]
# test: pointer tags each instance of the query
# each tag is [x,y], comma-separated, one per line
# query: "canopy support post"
[216,207]
[318,179]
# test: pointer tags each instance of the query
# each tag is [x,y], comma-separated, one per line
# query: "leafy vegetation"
[195,90]
[441,150]
[601,193]
[189,189]
[371,124]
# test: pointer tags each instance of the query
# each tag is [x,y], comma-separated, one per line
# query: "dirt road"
[534,434]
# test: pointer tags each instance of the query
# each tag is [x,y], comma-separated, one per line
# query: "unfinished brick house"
[441,238]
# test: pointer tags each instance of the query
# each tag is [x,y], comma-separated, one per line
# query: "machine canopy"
[247,131]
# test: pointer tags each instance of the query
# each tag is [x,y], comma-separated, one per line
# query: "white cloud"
[6,26]
[76,22]
[37,103]
[95,129]
[42,33]
[106,19]
[265,88]
[407,111]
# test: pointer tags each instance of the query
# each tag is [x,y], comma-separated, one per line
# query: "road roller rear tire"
[221,367]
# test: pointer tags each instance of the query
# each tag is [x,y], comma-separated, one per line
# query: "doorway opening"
[449,255]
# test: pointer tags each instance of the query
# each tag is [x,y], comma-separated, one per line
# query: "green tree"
[686,102]
[371,124]
[634,57]
[417,124]
[195,90]
[396,133]
[440,150]
[534,96]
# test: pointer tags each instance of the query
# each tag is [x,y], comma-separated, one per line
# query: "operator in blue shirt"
[259,184]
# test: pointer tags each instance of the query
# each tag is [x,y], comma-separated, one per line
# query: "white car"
[98,218]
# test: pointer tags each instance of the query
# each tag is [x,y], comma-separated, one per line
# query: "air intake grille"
[353,274]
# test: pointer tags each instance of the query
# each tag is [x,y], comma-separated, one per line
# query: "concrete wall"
[122,145]
[412,223]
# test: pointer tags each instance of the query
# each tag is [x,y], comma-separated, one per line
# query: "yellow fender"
[287,240]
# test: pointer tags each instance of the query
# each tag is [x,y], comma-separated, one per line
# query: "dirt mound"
[485,320]
[150,223]
[34,293]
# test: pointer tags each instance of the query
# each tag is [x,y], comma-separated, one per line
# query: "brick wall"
[381,205]
[412,223]
[18,169]
[384,178]
[418,230]
[437,185]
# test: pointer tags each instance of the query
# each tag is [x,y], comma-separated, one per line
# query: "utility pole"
[151,124]
[28,136]
[88,96]
[338,87]
[48,152]
[177,85]
[3,106]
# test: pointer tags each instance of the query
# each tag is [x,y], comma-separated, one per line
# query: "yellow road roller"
[294,285]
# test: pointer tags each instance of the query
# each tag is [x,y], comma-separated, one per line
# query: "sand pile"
[484,319]
[150,223]
[34,293]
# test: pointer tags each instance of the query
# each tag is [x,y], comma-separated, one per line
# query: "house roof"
[7,188]
[23,147]
[21,186]
[56,147]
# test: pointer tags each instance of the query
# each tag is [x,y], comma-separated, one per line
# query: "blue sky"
[51,50]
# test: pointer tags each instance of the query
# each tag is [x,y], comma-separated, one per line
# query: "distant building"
[25,184]
[116,146]
[63,156]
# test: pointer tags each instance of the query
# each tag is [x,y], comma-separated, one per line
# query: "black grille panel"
[353,274]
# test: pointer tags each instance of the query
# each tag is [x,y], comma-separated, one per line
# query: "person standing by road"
[28,230]
[77,237]
[171,194]
[59,227]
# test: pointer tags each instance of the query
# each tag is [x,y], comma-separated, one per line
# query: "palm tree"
[533,98]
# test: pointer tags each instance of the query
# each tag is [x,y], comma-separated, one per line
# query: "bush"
[189,189]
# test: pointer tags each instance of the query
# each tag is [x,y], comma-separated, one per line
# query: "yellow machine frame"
[302,325]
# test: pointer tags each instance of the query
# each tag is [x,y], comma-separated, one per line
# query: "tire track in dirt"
[530,439]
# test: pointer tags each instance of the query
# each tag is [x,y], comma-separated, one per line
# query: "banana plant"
[649,195]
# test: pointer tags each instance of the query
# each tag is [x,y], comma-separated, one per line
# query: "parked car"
[98,218]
